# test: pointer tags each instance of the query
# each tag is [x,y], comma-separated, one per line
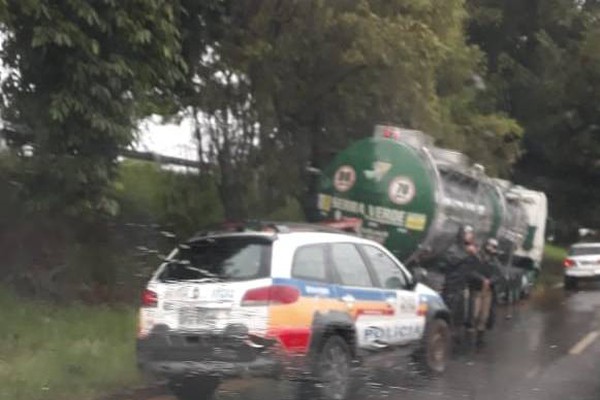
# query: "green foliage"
[190,203]
[139,187]
[49,257]
[64,353]
[554,253]
[183,202]
[303,79]
[79,72]
[290,211]
[544,65]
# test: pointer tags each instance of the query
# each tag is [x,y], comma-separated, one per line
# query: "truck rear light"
[149,298]
[568,263]
[271,295]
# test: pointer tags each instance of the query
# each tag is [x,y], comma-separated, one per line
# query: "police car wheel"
[333,369]
[570,283]
[437,346]
[197,388]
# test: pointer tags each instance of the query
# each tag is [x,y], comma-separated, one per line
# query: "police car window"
[388,273]
[309,263]
[223,259]
[350,266]
[584,250]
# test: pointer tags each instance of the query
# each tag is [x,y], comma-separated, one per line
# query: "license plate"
[198,317]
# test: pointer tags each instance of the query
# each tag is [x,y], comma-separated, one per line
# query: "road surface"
[550,349]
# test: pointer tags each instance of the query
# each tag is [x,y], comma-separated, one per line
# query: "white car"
[287,301]
[582,263]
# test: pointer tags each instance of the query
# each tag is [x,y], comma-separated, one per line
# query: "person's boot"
[470,337]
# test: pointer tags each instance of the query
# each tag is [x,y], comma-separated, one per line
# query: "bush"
[99,260]
[151,195]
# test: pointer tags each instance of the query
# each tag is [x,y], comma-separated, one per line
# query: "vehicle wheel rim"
[334,372]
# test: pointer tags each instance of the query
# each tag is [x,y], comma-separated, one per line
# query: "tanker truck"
[413,197]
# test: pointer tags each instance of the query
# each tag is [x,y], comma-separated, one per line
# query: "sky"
[169,139]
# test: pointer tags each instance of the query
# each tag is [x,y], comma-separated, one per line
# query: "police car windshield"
[584,250]
[219,259]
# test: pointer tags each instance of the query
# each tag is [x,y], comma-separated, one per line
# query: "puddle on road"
[546,298]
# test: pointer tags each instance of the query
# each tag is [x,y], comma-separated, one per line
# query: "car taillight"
[149,298]
[270,295]
[568,263]
[422,309]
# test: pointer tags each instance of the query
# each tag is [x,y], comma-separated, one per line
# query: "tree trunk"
[231,190]
[310,180]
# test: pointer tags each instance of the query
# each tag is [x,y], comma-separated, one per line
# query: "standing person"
[482,280]
[456,265]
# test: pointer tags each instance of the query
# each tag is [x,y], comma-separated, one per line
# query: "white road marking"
[558,285]
[584,343]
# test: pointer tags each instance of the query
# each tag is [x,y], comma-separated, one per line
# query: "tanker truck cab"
[299,302]
[528,256]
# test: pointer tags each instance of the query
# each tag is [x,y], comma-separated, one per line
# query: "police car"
[295,302]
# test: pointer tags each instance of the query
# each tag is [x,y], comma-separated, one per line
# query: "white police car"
[295,301]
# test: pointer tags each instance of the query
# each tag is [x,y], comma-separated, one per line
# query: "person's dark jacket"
[453,269]
[455,266]
[484,267]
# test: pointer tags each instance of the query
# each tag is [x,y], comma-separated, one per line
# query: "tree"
[79,72]
[543,61]
[314,75]
[80,75]
[178,201]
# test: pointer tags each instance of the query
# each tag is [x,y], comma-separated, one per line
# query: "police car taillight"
[271,295]
[149,298]
[145,323]
[422,309]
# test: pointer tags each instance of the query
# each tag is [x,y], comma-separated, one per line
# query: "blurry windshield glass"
[584,250]
[220,258]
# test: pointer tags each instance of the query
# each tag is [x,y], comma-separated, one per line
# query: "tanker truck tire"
[525,287]
[434,355]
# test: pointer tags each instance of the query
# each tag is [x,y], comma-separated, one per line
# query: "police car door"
[404,325]
[359,296]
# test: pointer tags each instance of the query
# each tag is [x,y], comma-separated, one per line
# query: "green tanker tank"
[409,194]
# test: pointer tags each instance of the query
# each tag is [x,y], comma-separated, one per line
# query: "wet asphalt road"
[549,350]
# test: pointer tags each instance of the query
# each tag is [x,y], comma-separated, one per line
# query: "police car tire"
[436,348]
[197,388]
[333,360]
[570,283]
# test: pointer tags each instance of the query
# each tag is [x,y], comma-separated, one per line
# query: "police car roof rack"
[286,227]
[255,225]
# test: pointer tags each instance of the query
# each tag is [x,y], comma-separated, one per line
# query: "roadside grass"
[554,254]
[552,270]
[64,352]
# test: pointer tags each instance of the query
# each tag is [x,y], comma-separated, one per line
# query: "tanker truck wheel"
[435,353]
